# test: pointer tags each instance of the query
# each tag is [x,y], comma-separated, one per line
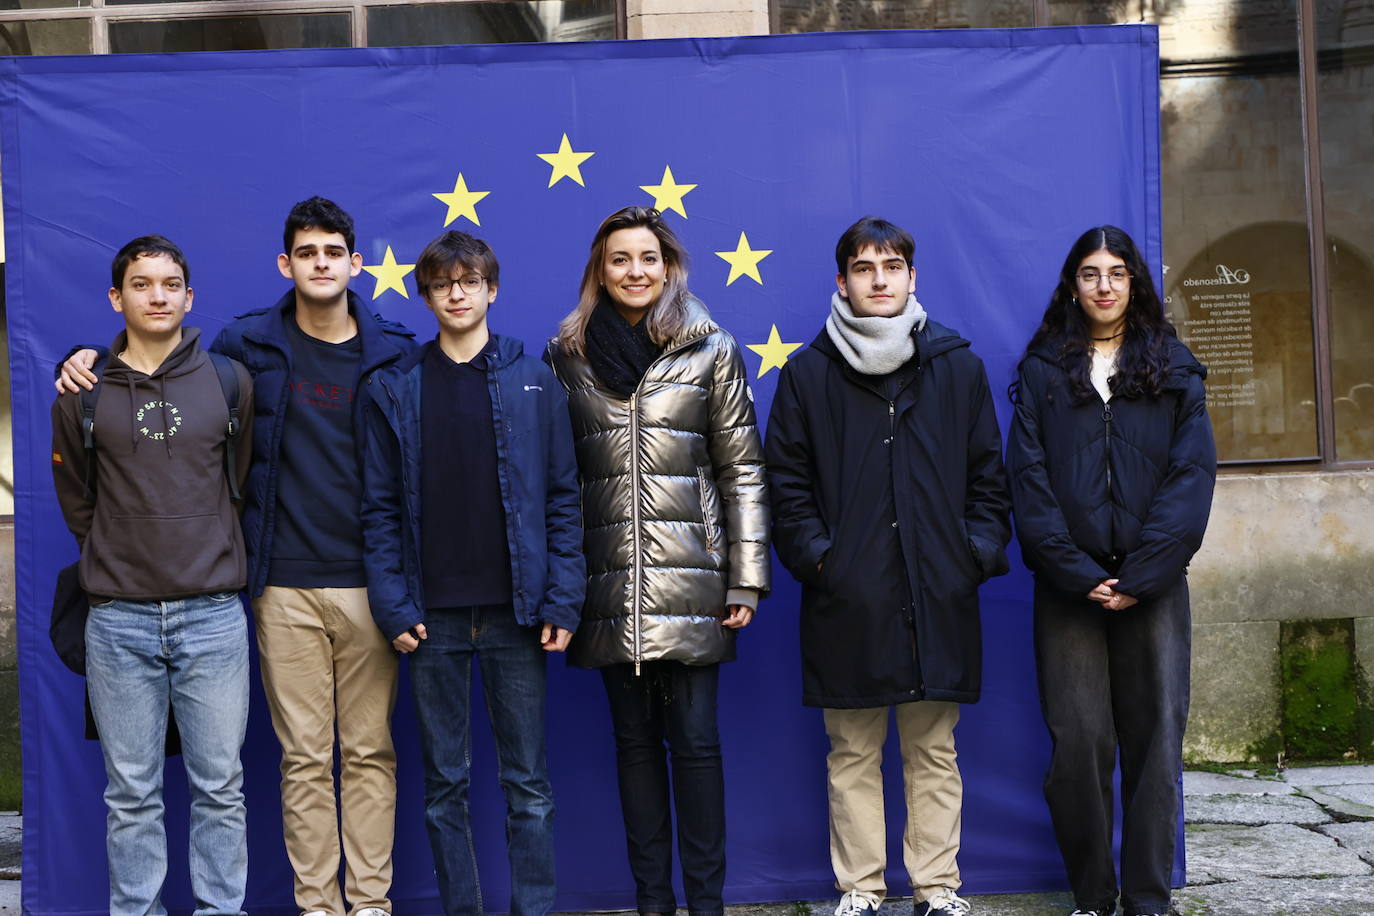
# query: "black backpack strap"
[229,381]
[88,402]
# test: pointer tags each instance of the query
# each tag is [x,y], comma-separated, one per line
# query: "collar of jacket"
[698,324]
[507,351]
[1182,363]
[931,341]
[269,329]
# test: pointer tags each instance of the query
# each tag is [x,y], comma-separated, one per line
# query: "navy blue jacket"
[537,470]
[259,341]
[865,640]
[1116,490]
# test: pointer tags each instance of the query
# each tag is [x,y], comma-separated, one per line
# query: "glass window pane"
[838,15]
[45,36]
[40,4]
[231,33]
[1237,275]
[481,23]
[1345,103]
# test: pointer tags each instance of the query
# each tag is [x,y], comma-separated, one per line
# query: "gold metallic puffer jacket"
[673,500]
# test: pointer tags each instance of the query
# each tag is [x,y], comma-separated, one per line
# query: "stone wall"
[9,673]
[1280,548]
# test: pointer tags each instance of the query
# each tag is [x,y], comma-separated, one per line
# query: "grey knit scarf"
[874,346]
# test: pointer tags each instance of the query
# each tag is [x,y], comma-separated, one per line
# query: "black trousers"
[669,711]
[1115,681]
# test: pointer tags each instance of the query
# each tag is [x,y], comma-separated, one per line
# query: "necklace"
[1113,337]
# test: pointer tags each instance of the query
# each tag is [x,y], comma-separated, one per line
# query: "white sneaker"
[371,911]
[857,903]
[943,902]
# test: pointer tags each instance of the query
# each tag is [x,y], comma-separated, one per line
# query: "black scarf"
[619,352]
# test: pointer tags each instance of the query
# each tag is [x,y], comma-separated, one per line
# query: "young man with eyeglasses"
[890,506]
[473,531]
[325,668]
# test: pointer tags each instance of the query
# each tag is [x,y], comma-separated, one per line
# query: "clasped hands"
[1107,596]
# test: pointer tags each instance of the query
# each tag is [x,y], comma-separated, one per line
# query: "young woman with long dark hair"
[1112,467]
[676,519]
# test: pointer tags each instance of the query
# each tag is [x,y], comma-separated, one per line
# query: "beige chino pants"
[326,668]
[934,797]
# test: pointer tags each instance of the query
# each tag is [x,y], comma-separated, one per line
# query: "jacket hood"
[931,341]
[1182,363]
[183,360]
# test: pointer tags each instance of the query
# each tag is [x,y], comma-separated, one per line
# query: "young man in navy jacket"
[472,525]
[324,666]
[890,506]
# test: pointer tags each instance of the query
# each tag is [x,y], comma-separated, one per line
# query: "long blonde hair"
[666,317]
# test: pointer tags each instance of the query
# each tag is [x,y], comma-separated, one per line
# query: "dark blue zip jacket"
[537,470]
[259,341]
[1116,490]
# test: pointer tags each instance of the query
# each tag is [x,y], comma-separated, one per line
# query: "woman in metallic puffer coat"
[676,519]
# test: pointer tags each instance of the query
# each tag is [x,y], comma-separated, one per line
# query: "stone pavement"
[1297,844]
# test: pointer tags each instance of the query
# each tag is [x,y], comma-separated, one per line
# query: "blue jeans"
[673,703]
[514,675]
[1115,681]
[191,654]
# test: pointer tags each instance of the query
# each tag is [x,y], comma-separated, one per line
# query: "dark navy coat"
[540,493]
[866,639]
[259,340]
[1116,490]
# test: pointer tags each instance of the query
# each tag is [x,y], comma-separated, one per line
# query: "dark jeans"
[675,703]
[1109,680]
[513,682]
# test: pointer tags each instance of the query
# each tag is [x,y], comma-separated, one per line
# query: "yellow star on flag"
[461,201]
[566,163]
[774,353]
[744,261]
[668,195]
[389,274]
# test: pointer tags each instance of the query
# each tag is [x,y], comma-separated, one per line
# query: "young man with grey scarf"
[890,507]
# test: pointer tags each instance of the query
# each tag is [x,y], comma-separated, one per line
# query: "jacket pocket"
[710,513]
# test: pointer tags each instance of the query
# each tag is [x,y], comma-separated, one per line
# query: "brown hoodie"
[160,524]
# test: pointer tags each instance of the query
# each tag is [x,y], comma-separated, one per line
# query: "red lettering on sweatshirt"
[321,394]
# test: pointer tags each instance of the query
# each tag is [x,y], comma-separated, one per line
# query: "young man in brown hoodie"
[163,561]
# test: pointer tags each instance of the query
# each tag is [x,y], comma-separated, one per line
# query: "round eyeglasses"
[1118,277]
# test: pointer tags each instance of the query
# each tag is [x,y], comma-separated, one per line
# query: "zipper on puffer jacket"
[637,583]
[638,586]
[1107,433]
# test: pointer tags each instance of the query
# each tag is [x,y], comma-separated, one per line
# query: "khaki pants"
[934,797]
[326,666]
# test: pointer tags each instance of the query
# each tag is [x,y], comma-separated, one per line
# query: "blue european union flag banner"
[994,148]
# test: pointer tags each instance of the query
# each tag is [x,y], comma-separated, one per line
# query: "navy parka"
[537,471]
[259,340]
[866,640]
[1115,490]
